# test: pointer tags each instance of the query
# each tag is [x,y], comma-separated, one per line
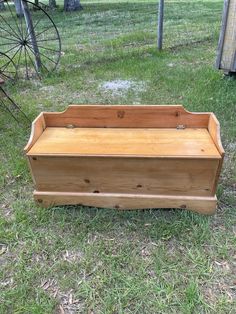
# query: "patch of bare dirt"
[67,303]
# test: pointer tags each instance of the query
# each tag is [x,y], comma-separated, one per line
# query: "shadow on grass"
[149,224]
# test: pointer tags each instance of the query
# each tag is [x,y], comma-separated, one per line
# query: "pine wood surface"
[79,156]
[202,205]
[127,116]
[125,175]
[168,142]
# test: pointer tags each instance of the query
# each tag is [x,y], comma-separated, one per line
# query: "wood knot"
[120,114]
[183,206]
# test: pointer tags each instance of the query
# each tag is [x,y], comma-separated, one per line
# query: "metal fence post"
[160,24]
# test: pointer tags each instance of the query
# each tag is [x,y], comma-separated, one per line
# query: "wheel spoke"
[50,49]
[18,63]
[32,51]
[37,35]
[11,34]
[26,64]
[3,67]
[6,76]
[10,72]
[48,58]
[34,26]
[8,110]
[8,69]
[14,18]
[41,62]
[45,67]
[7,44]
[16,53]
[43,40]
[11,49]
[14,105]
[42,55]
[23,54]
[17,35]
[16,41]
[32,62]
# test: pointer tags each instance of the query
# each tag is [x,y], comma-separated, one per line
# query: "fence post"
[160,24]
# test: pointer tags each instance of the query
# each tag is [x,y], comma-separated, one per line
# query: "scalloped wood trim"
[37,128]
[202,205]
[159,116]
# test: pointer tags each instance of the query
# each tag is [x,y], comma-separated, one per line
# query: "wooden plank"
[125,142]
[233,67]
[107,116]
[214,131]
[37,128]
[229,44]
[125,175]
[203,205]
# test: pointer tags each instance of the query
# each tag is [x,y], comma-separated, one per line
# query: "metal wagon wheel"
[8,105]
[35,48]
[8,70]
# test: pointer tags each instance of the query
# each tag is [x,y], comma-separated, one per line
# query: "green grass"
[88,260]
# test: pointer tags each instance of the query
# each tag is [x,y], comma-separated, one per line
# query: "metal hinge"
[70,126]
[180,127]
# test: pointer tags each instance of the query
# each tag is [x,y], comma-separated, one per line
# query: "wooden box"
[126,157]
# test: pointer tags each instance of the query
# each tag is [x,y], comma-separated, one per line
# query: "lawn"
[86,260]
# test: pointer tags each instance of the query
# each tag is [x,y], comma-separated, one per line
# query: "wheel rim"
[16,40]
[8,70]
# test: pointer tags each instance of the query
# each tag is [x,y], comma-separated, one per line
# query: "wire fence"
[105,29]
[191,21]
[108,27]
[131,24]
[126,26]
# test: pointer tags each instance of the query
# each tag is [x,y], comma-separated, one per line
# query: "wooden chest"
[126,157]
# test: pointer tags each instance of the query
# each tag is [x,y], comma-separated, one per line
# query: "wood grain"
[125,142]
[203,205]
[37,128]
[87,163]
[214,131]
[125,175]
[222,33]
[227,43]
[131,116]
